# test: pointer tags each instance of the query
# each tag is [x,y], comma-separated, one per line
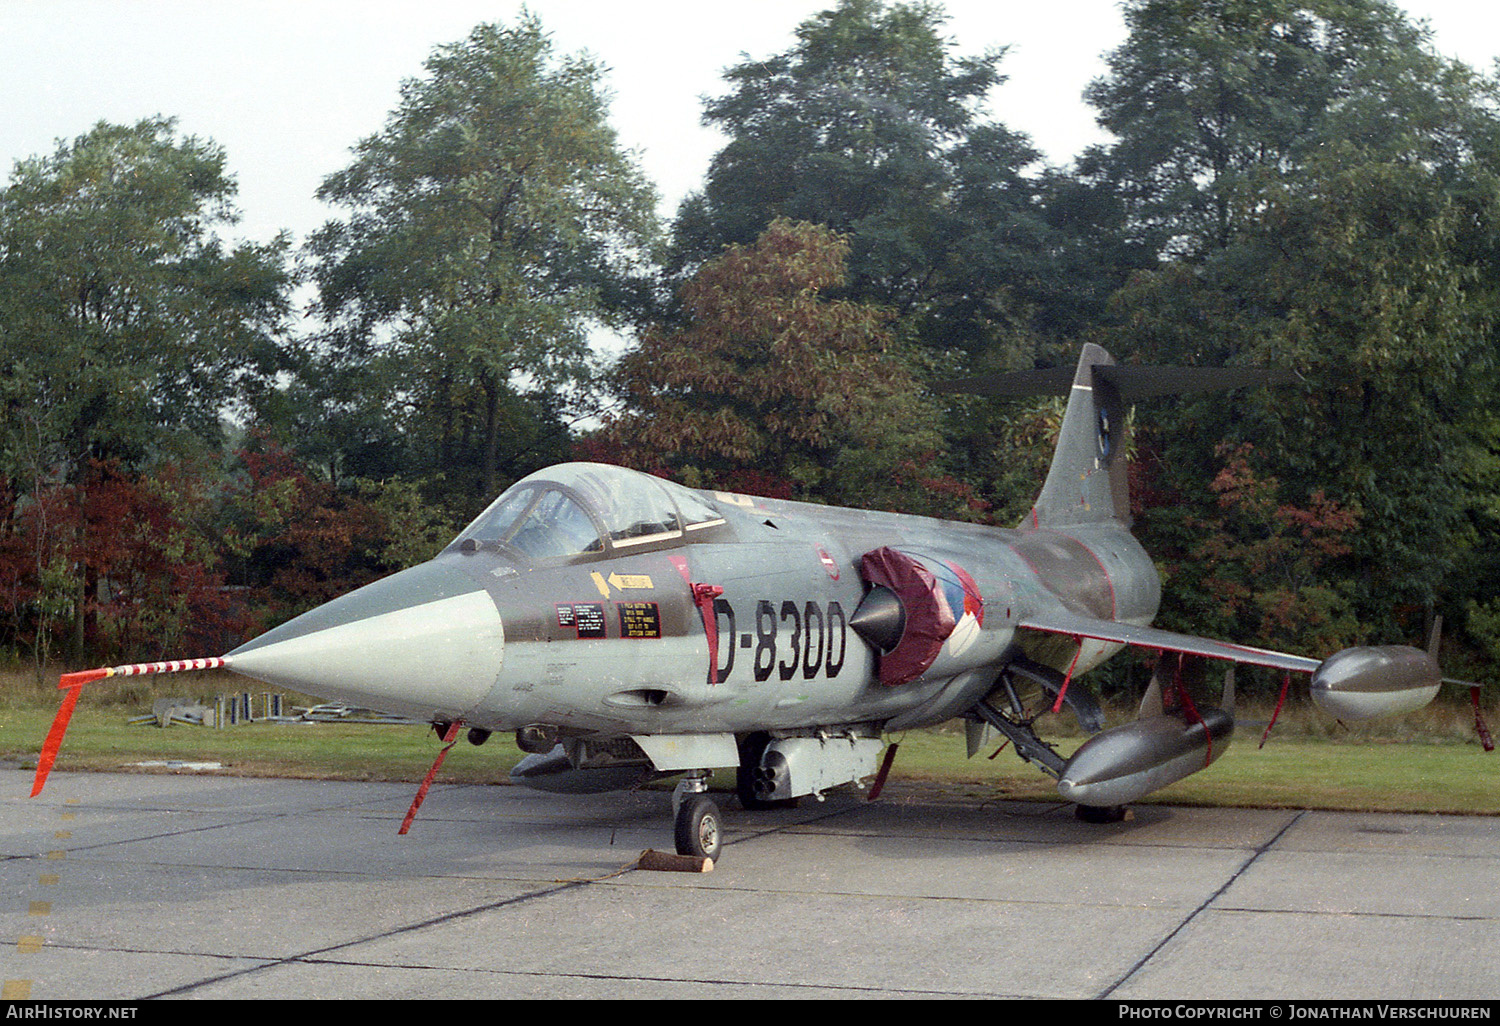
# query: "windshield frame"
[660,493]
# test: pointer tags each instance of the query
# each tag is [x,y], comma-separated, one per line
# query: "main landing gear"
[699,829]
[1102,813]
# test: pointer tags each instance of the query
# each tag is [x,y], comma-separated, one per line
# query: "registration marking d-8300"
[805,640]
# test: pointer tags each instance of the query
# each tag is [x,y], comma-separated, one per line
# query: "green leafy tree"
[126,324]
[1209,100]
[128,329]
[491,223]
[1362,289]
[871,125]
[1320,184]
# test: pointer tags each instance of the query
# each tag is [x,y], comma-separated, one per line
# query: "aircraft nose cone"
[426,642]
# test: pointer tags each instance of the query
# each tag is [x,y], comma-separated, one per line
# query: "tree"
[1361,287]
[120,564]
[1257,565]
[128,330]
[1211,99]
[126,325]
[1320,185]
[293,540]
[871,126]
[772,387]
[491,222]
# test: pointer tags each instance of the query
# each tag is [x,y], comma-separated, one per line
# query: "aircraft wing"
[1078,626]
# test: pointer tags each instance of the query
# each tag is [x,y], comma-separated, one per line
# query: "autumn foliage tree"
[297,540]
[116,563]
[1260,567]
[770,386]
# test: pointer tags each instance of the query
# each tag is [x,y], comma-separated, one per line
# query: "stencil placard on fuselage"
[639,619]
[587,618]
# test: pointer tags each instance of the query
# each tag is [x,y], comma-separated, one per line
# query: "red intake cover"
[929,621]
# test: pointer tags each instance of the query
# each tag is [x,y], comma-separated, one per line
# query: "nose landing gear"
[699,830]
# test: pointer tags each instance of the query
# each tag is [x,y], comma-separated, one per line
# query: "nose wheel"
[699,829]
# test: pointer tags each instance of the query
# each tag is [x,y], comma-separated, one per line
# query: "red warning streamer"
[449,740]
[54,739]
[72,684]
[1286,682]
[703,598]
[1484,733]
[1062,692]
[704,595]
[1190,711]
[885,771]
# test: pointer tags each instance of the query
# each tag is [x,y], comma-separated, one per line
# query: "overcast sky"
[287,86]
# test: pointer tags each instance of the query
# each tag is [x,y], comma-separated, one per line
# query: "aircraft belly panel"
[946,700]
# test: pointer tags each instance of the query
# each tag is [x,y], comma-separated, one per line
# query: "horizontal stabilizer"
[1133,382]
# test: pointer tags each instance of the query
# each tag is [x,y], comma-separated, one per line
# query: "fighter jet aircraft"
[626,628]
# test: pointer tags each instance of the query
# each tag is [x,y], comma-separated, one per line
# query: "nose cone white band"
[436,657]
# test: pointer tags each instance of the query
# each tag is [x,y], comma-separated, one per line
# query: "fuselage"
[730,617]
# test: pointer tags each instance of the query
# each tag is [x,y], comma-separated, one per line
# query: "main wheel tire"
[699,830]
[1102,813]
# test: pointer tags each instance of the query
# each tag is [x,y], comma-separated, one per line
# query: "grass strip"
[1416,773]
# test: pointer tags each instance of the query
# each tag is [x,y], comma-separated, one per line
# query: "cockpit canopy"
[580,509]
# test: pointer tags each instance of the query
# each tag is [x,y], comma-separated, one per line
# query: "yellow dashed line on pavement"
[20,990]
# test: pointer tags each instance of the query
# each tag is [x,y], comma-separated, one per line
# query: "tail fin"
[1088,480]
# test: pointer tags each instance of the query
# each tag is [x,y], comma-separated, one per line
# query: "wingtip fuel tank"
[1364,683]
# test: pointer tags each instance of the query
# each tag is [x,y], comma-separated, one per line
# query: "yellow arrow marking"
[635,581]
